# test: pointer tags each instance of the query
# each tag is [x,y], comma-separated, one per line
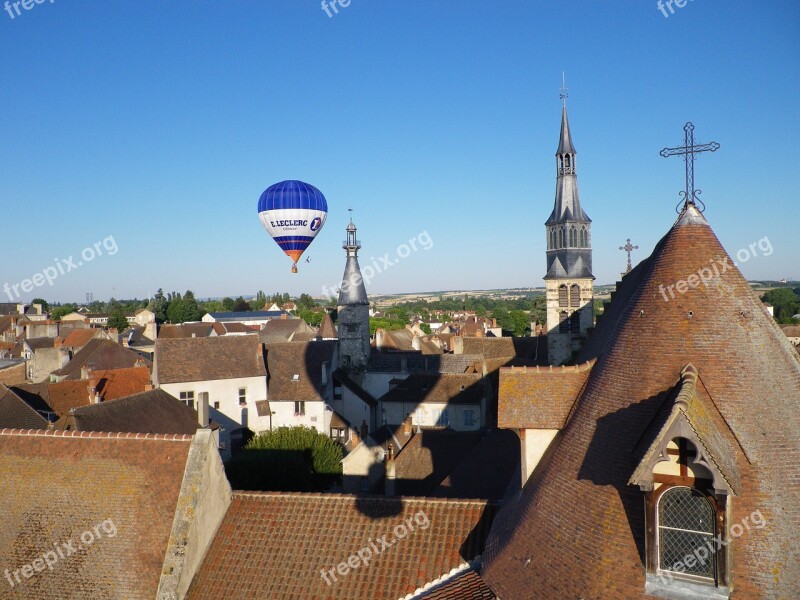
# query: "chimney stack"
[390,471]
[415,342]
[407,425]
[202,409]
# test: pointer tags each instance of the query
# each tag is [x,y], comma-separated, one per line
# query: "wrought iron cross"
[628,248]
[688,150]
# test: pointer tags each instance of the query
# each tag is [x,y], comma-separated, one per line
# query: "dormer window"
[686,524]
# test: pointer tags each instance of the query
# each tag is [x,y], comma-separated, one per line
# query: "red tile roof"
[78,338]
[118,383]
[295,369]
[59,485]
[465,585]
[65,395]
[579,522]
[273,545]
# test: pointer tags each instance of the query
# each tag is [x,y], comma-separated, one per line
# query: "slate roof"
[208,359]
[580,521]
[16,413]
[446,388]
[57,485]
[505,347]
[303,359]
[273,545]
[154,411]
[539,397]
[100,354]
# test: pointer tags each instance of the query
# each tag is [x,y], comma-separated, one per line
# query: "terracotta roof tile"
[295,369]
[580,520]
[118,383]
[100,354]
[448,388]
[208,359]
[539,397]
[277,545]
[154,411]
[58,485]
[466,585]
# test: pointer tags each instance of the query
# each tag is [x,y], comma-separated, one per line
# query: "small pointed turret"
[353,310]
[565,142]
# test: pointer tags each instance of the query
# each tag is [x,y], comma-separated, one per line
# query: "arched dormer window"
[686,523]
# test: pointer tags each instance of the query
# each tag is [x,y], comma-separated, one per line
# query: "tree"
[158,305]
[227,304]
[260,300]
[425,327]
[539,310]
[118,320]
[786,303]
[305,301]
[288,459]
[43,302]
[60,311]
[183,309]
[241,305]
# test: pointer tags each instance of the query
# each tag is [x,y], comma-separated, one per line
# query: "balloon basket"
[294,268]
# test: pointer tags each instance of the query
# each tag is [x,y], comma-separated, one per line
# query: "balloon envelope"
[292,212]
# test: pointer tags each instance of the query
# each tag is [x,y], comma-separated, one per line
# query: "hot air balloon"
[292,212]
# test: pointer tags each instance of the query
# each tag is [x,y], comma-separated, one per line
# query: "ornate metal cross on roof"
[688,150]
[628,248]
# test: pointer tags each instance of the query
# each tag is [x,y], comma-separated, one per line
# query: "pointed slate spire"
[565,142]
[352,291]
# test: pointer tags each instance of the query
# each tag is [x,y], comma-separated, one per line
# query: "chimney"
[284,316]
[85,371]
[354,438]
[94,392]
[407,425]
[390,471]
[202,409]
[380,339]
[415,342]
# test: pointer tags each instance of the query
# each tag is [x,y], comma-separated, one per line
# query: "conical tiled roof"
[577,528]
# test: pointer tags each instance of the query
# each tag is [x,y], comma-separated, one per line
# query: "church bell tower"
[569,279]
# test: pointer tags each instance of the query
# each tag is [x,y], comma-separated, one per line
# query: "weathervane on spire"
[688,150]
[628,248]
[563,95]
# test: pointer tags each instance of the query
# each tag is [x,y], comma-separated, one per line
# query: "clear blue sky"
[160,124]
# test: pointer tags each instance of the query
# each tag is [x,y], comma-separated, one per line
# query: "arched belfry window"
[553,239]
[575,295]
[567,163]
[563,296]
[575,322]
[563,236]
[563,322]
[584,238]
[573,237]
[685,524]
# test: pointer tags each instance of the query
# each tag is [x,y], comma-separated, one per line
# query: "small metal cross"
[628,248]
[688,150]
